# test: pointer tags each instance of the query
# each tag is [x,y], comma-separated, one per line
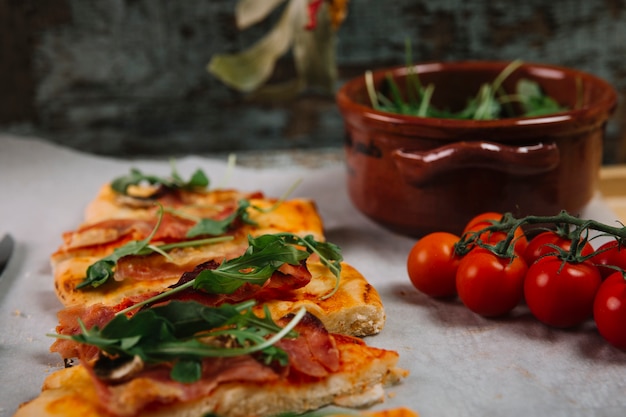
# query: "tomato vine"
[544,262]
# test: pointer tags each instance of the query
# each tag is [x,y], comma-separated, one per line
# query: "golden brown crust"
[355,309]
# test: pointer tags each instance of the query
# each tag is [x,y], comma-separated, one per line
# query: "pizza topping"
[183,351]
[107,231]
[117,369]
[279,286]
[184,333]
[265,255]
[198,180]
[152,267]
[217,226]
[100,272]
[318,356]
[97,315]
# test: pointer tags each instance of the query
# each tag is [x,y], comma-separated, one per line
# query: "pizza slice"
[222,222]
[187,359]
[275,270]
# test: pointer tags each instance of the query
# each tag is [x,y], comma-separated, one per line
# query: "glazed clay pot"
[416,175]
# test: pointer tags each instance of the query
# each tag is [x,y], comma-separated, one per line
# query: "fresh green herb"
[102,270]
[491,101]
[329,253]
[198,180]
[265,255]
[212,227]
[533,100]
[183,333]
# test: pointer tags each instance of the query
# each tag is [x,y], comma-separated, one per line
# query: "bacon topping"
[279,286]
[313,354]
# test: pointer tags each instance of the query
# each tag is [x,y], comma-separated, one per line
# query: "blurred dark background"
[128,77]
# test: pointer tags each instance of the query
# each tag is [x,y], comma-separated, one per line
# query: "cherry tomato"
[609,310]
[490,285]
[432,264]
[540,246]
[610,253]
[559,293]
[484,220]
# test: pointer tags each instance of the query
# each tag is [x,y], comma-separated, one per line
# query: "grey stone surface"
[127,77]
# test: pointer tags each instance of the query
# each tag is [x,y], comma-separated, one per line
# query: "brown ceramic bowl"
[416,175]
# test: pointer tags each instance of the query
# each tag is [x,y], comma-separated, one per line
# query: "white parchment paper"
[460,364]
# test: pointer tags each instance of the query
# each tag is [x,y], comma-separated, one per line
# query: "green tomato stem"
[510,224]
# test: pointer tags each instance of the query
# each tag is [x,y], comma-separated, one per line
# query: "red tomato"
[488,284]
[540,246]
[561,294]
[609,310]
[610,253]
[432,264]
[484,220]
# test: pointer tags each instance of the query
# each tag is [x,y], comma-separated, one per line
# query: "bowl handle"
[419,167]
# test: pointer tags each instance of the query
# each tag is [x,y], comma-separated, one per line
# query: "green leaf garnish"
[265,254]
[186,371]
[198,180]
[212,227]
[219,227]
[102,270]
[489,103]
[534,101]
[183,333]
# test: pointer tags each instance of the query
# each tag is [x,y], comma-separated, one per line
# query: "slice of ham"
[106,232]
[279,286]
[117,231]
[94,315]
[312,354]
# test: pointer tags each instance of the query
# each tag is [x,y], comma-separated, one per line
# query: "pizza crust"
[355,309]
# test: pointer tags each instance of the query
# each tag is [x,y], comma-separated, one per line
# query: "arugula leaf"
[102,270]
[198,180]
[265,254]
[183,333]
[534,101]
[487,104]
[329,253]
[219,227]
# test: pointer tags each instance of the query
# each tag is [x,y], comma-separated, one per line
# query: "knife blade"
[6,250]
